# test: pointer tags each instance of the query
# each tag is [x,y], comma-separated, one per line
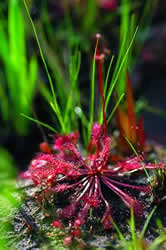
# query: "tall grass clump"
[19,74]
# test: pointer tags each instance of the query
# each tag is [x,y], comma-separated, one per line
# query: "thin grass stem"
[39,122]
[112,84]
[57,109]
[115,107]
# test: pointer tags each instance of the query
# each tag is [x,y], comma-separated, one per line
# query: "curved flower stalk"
[65,169]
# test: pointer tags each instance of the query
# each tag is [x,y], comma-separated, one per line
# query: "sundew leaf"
[135,152]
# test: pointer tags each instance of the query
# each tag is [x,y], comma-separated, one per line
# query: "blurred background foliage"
[18,72]
[9,201]
[63,28]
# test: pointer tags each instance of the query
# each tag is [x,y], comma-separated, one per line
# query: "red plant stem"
[102,95]
[125,197]
[82,187]
[76,153]
[84,180]
[146,189]
[64,178]
[91,188]
[101,195]
[96,187]
[99,59]
[85,190]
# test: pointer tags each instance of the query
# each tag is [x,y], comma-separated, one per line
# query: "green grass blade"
[55,65]
[115,107]
[124,43]
[105,87]
[122,238]
[39,122]
[132,228]
[46,94]
[58,112]
[147,222]
[74,69]
[108,74]
[114,81]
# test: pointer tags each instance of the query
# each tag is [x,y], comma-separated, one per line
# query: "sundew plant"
[78,173]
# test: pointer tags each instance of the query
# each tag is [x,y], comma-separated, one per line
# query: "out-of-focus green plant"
[18,74]
[143,105]
[8,197]
[130,20]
